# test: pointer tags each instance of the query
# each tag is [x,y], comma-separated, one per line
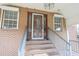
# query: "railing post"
[69,47]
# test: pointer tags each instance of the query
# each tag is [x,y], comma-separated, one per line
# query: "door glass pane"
[37,26]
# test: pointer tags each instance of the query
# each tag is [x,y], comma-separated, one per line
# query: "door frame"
[42,25]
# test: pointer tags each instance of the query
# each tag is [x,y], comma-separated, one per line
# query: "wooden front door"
[37,26]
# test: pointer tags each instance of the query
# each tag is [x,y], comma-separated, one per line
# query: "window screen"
[10,19]
[57,23]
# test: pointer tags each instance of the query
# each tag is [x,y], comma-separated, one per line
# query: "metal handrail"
[23,43]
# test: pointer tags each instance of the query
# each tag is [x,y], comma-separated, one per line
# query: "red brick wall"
[73,38]
[10,39]
[73,32]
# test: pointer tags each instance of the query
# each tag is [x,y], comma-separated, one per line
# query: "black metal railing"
[75,45]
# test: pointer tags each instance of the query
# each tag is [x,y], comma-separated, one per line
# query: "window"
[9,17]
[57,23]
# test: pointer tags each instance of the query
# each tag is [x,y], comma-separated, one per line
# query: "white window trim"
[12,9]
[58,15]
[57,23]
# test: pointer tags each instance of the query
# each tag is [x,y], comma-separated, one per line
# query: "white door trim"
[42,25]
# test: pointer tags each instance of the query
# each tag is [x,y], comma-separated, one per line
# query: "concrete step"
[38,42]
[40,48]
[53,54]
[46,51]
[44,46]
